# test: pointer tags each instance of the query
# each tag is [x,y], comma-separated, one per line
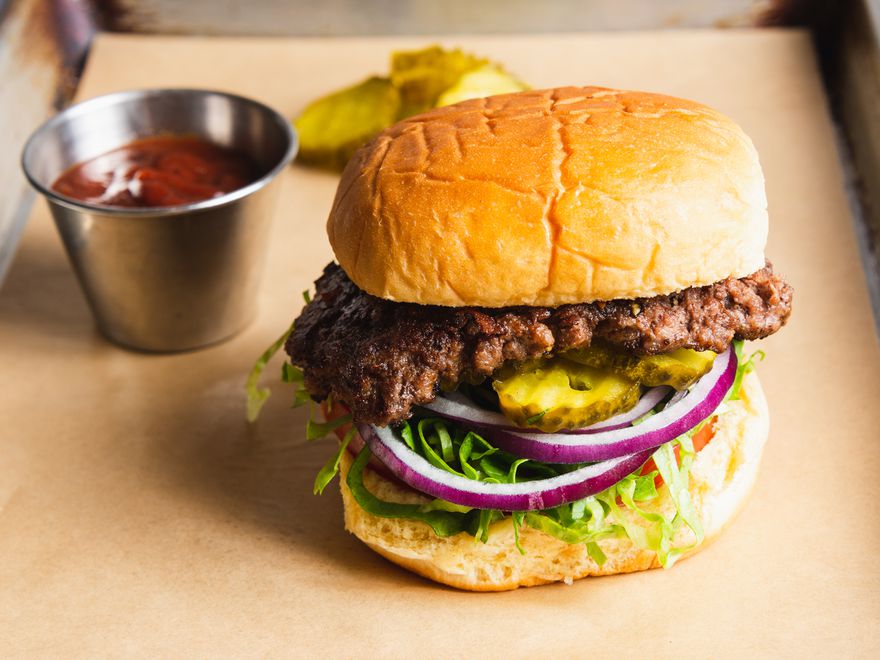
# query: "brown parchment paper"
[141,516]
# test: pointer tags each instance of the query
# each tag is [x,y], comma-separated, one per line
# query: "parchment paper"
[141,516]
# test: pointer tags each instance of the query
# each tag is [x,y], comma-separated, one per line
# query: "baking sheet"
[140,515]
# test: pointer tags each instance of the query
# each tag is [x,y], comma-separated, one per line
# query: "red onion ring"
[459,408]
[354,448]
[418,473]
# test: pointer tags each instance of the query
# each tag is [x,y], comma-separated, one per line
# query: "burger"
[530,345]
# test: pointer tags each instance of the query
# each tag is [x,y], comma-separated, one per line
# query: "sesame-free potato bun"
[568,195]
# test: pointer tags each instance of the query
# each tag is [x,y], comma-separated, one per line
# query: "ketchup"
[158,171]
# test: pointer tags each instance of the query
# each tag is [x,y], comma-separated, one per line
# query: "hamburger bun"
[551,197]
[721,478]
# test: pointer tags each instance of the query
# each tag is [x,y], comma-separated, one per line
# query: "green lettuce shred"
[744,367]
[301,397]
[291,374]
[256,395]
[317,430]
[444,523]
[675,475]
[331,467]
[596,553]
[518,518]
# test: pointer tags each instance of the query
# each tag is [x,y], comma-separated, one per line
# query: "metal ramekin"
[166,278]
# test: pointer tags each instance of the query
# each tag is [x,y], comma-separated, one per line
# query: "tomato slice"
[704,435]
[701,439]
[333,411]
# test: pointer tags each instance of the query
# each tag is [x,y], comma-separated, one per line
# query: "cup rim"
[113,98]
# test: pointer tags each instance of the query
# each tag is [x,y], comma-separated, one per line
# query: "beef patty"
[381,358]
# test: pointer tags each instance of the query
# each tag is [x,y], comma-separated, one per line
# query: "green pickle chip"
[423,75]
[556,394]
[586,386]
[678,369]
[334,126]
[488,80]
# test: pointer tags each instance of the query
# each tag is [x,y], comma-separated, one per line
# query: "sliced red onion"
[417,472]
[676,418]
[354,448]
[356,444]
[459,408]
[678,396]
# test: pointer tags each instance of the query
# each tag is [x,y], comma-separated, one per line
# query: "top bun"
[551,197]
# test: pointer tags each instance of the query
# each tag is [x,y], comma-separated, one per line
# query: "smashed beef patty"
[381,358]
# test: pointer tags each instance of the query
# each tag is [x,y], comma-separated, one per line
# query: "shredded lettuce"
[256,395]
[480,524]
[331,467]
[290,374]
[301,397]
[444,523]
[518,518]
[596,553]
[317,430]
[554,522]
[675,475]
[743,367]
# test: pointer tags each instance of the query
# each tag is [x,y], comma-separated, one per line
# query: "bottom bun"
[722,476]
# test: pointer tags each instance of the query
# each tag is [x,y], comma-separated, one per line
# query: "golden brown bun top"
[551,197]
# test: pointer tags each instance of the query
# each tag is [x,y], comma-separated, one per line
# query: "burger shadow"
[261,476]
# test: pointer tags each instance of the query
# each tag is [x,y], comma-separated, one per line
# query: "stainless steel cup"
[169,278]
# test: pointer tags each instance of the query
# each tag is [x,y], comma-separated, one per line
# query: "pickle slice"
[678,369]
[333,127]
[423,75]
[556,394]
[488,80]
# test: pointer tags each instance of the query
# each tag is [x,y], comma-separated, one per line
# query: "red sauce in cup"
[158,171]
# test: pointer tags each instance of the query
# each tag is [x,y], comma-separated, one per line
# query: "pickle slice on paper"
[334,126]
[488,80]
[424,75]
[556,394]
